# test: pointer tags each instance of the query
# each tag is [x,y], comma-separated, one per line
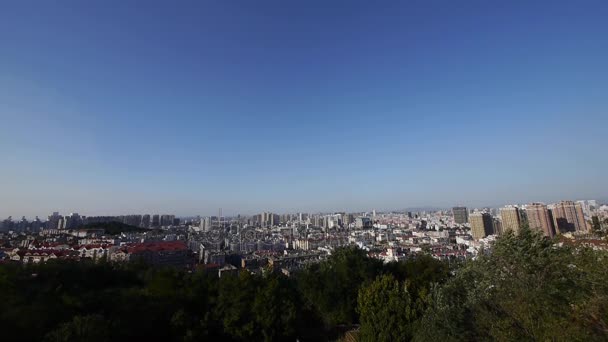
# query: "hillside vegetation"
[526,289]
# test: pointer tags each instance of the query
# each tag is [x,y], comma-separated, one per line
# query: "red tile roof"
[157,246]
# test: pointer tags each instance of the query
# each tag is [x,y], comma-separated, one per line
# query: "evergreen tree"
[385,310]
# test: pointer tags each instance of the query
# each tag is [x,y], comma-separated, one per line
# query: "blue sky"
[115,107]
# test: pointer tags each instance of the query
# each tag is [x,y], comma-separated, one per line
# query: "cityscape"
[289,242]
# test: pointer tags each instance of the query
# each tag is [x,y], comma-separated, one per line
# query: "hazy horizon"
[119,107]
[235,211]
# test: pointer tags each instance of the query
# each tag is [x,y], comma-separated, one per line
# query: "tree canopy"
[524,288]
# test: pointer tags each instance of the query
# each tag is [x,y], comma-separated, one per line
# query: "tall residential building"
[61,224]
[53,221]
[205,225]
[36,225]
[132,220]
[267,219]
[511,218]
[72,221]
[482,225]
[461,215]
[145,221]
[155,221]
[589,207]
[7,224]
[363,222]
[568,217]
[166,220]
[347,219]
[539,218]
[333,221]
[497,226]
[523,218]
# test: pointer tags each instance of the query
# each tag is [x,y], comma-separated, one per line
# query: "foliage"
[59,301]
[598,227]
[93,328]
[386,312]
[235,302]
[526,289]
[275,309]
[332,287]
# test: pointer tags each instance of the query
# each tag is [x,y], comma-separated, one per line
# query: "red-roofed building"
[43,255]
[95,252]
[166,253]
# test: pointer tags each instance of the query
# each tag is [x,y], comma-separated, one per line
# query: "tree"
[274,309]
[596,225]
[235,303]
[332,286]
[385,311]
[525,288]
[92,328]
[418,273]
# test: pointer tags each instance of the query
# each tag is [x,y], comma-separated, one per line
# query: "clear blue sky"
[115,107]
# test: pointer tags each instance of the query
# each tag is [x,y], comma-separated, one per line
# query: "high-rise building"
[53,221]
[333,221]
[36,225]
[363,223]
[166,220]
[62,223]
[316,220]
[7,224]
[23,225]
[155,220]
[145,221]
[206,223]
[568,217]
[539,218]
[589,207]
[523,218]
[347,219]
[267,219]
[72,221]
[461,215]
[482,225]
[511,218]
[275,220]
[132,220]
[497,226]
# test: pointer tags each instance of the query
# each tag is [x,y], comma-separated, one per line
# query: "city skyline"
[110,108]
[214,212]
